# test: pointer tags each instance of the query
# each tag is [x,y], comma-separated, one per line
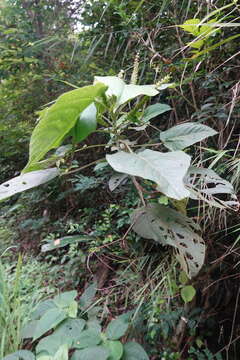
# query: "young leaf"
[183,135]
[86,124]
[116,329]
[134,351]
[57,120]
[169,227]
[154,110]
[187,293]
[191,26]
[92,353]
[20,355]
[165,169]
[27,181]
[115,348]
[48,321]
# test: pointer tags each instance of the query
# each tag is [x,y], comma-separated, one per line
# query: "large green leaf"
[184,135]
[26,181]
[169,227]
[48,321]
[116,329]
[115,348]
[165,169]
[57,120]
[62,353]
[20,355]
[70,328]
[64,299]
[205,184]
[86,124]
[154,110]
[92,353]
[87,338]
[134,351]
[49,345]
[124,92]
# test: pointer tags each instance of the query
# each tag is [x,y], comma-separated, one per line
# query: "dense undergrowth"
[76,236]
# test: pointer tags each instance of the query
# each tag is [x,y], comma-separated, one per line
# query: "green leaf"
[116,329]
[169,227]
[57,120]
[49,345]
[134,351]
[115,348]
[191,26]
[48,321]
[64,241]
[63,300]
[187,293]
[93,353]
[165,169]
[154,110]
[87,338]
[62,353]
[124,92]
[183,278]
[87,297]
[184,135]
[20,355]
[42,308]
[86,124]
[27,181]
[73,309]
[70,328]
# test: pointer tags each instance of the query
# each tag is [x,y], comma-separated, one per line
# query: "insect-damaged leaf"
[169,227]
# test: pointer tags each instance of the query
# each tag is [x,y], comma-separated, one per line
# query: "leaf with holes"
[206,185]
[169,227]
[116,180]
[26,181]
[165,169]
[183,135]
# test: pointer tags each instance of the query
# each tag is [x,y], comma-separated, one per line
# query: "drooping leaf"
[116,329]
[26,181]
[187,293]
[116,180]
[124,92]
[87,297]
[92,353]
[165,169]
[87,338]
[154,110]
[57,120]
[86,124]
[64,241]
[169,227]
[205,184]
[20,355]
[115,348]
[48,321]
[134,351]
[184,135]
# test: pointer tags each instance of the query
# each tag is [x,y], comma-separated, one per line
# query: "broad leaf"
[57,120]
[124,92]
[205,184]
[87,297]
[134,351]
[87,338]
[86,124]
[49,345]
[42,308]
[63,300]
[116,329]
[48,321]
[191,26]
[62,353]
[70,328]
[184,135]
[20,355]
[115,348]
[187,293]
[26,181]
[169,227]
[93,353]
[154,110]
[165,169]
[64,241]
